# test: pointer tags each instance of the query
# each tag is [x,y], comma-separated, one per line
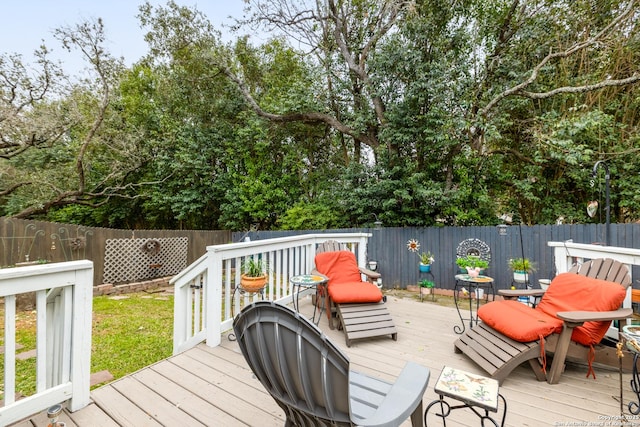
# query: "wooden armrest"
[593,316]
[514,293]
[399,399]
[370,274]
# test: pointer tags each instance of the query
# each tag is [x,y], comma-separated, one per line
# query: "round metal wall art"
[474,247]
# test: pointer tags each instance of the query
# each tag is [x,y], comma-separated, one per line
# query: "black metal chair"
[309,377]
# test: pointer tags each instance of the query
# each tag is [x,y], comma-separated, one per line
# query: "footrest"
[365,320]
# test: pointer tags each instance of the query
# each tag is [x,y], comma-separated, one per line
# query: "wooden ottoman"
[365,320]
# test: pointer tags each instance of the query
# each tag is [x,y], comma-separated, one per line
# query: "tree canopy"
[415,113]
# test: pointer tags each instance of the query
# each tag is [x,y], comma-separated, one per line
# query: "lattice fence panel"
[130,260]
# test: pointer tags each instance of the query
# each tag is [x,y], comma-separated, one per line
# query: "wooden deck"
[214,386]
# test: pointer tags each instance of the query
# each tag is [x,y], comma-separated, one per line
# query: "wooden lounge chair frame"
[310,378]
[498,354]
[358,320]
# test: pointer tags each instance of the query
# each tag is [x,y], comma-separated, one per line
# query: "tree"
[342,36]
[546,73]
[413,112]
[498,101]
[61,144]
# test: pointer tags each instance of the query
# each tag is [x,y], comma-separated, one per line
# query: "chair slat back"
[329,246]
[302,370]
[604,269]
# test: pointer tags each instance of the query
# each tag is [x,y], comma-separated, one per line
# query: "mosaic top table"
[479,394]
[310,281]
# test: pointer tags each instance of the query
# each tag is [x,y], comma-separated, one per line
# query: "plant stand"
[461,293]
[239,289]
[427,275]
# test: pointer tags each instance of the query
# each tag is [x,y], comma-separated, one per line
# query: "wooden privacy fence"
[133,255]
[119,256]
[399,267]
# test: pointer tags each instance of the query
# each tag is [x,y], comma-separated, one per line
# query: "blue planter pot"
[424,268]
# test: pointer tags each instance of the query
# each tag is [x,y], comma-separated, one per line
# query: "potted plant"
[521,268]
[426,286]
[426,258]
[472,265]
[254,274]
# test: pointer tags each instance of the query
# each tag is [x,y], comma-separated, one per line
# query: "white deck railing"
[206,297]
[63,293]
[567,253]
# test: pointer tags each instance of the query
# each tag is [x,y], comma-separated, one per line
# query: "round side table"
[475,285]
[310,281]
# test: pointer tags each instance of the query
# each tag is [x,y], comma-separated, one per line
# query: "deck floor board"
[214,386]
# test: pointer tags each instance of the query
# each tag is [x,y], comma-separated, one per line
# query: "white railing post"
[179,316]
[9,349]
[81,339]
[362,252]
[64,294]
[189,305]
[562,260]
[213,294]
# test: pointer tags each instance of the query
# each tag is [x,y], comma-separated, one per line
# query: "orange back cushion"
[518,321]
[338,266]
[345,282]
[573,292]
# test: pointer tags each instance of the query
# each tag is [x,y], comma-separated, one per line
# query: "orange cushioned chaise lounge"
[358,304]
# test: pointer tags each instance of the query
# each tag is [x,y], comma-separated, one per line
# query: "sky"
[26,23]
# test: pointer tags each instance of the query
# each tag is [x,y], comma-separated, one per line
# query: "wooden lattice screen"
[127,260]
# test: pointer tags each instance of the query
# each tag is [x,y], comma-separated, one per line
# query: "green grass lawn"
[128,334]
[131,333]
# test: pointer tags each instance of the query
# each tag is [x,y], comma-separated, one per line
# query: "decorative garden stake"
[426,258]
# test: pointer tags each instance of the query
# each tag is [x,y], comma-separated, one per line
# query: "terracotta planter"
[252,284]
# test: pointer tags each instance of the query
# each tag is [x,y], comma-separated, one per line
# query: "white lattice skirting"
[129,260]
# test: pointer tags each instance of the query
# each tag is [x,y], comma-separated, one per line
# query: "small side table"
[310,281]
[480,394]
[474,284]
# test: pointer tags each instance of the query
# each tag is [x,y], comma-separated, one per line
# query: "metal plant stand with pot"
[426,274]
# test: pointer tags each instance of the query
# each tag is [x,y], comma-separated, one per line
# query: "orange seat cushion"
[345,282]
[518,321]
[573,292]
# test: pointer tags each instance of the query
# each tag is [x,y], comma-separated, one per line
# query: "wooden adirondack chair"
[357,304]
[498,353]
[310,378]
